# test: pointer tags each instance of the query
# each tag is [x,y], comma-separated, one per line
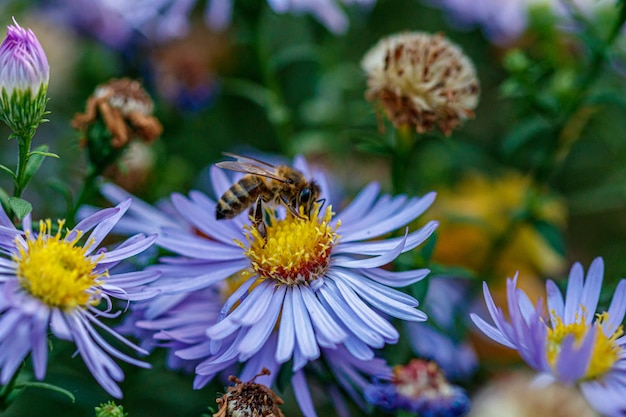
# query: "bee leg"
[258,222]
[291,207]
[321,202]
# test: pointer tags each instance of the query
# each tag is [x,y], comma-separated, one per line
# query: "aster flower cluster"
[209,240]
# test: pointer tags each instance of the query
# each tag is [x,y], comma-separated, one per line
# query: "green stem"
[85,193]
[24,142]
[402,151]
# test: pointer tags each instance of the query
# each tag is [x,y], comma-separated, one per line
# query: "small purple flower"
[24,76]
[51,282]
[571,344]
[419,387]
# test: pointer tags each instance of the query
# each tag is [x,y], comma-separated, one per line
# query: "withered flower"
[421,81]
[125,109]
[249,399]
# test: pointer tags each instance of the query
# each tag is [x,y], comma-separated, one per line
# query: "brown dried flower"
[421,81]
[249,399]
[126,110]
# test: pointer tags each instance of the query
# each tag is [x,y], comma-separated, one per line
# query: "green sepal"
[110,409]
[20,207]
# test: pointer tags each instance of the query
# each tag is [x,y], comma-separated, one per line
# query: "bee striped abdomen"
[239,197]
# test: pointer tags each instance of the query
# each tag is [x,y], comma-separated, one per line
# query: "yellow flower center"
[56,271]
[605,351]
[296,249]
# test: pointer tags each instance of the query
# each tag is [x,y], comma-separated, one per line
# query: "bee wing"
[249,168]
[249,160]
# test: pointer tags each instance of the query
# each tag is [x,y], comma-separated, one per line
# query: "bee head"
[308,195]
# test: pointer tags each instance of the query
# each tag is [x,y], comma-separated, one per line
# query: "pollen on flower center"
[605,351]
[56,271]
[297,250]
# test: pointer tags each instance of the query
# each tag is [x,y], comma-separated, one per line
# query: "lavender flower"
[321,274]
[49,281]
[569,347]
[226,294]
[24,76]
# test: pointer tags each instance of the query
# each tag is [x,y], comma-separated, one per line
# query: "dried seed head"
[249,399]
[126,110]
[422,81]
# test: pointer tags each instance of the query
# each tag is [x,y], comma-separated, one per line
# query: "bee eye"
[305,195]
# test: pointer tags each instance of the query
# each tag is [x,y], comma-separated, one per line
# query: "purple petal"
[617,309]
[491,332]
[333,301]
[139,244]
[573,294]
[322,321]
[591,290]
[362,310]
[377,247]
[572,362]
[371,262]
[305,336]
[302,394]
[286,332]
[260,332]
[395,278]
[555,299]
[361,204]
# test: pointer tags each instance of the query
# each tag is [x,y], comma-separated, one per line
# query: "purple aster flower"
[51,282]
[323,274]
[419,387]
[325,278]
[327,12]
[24,76]
[572,344]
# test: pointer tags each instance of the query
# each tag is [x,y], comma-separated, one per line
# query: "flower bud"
[24,76]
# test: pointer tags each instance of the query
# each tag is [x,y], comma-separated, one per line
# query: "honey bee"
[265,183]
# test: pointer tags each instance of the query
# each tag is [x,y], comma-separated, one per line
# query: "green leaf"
[20,207]
[551,234]
[44,385]
[50,154]
[7,170]
[523,133]
[35,160]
